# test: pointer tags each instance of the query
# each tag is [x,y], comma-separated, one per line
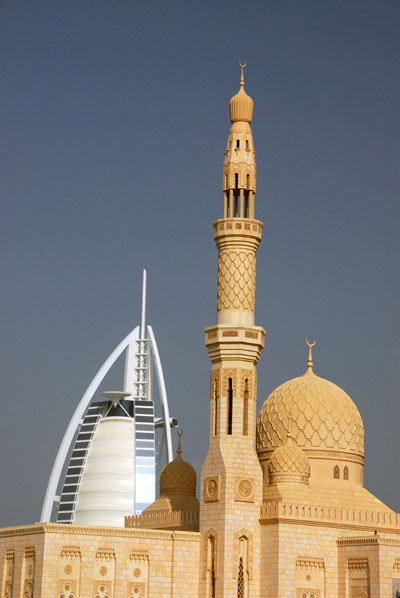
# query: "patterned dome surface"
[289,459]
[178,477]
[241,105]
[318,414]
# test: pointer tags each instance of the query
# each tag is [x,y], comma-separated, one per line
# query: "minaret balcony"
[250,230]
[234,342]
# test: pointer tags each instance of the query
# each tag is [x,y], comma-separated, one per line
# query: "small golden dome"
[319,415]
[241,105]
[289,463]
[178,477]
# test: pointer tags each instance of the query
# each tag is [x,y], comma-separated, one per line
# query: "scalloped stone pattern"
[317,413]
[236,280]
[289,458]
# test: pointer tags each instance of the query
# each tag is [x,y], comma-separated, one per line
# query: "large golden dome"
[319,415]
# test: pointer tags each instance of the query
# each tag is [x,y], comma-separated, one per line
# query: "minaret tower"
[231,489]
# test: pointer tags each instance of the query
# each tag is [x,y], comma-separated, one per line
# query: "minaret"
[231,488]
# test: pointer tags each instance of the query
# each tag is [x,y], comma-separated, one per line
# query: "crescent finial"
[179,449]
[242,66]
[310,361]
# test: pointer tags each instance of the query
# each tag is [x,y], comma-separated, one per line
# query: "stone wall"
[65,561]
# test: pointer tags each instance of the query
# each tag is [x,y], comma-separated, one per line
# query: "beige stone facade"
[283,512]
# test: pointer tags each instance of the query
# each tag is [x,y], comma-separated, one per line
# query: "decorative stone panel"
[104,573]
[69,572]
[8,574]
[244,489]
[310,577]
[212,488]
[138,574]
[358,570]
[28,572]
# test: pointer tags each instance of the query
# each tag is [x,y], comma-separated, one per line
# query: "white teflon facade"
[107,488]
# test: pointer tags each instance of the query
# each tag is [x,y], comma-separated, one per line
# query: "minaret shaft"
[231,490]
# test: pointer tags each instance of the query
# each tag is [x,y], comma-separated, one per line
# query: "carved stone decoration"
[105,573]
[66,589]
[8,573]
[357,564]
[212,488]
[103,589]
[305,562]
[396,566]
[28,572]
[358,569]
[69,572]
[105,554]
[138,574]
[249,375]
[226,375]
[136,590]
[236,280]
[244,489]
[72,552]
[308,593]
[310,576]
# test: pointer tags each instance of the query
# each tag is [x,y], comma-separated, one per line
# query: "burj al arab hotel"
[106,465]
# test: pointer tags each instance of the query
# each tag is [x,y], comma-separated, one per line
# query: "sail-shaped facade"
[108,452]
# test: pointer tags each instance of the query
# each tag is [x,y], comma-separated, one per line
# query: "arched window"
[230,407]
[236,180]
[246,408]
[247,144]
[336,472]
[242,571]
[211,566]
[346,473]
[247,181]
[238,143]
[215,408]
[240,588]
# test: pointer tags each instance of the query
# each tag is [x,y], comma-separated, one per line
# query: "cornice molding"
[59,528]
[274,511]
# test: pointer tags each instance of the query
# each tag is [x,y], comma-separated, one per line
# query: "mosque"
[283,512]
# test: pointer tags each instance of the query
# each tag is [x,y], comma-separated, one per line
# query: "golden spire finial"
[310,361]
[179,449]
[242,66]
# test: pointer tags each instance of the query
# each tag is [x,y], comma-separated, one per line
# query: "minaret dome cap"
[241,105]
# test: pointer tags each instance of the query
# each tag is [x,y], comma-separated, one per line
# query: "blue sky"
[115,119]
